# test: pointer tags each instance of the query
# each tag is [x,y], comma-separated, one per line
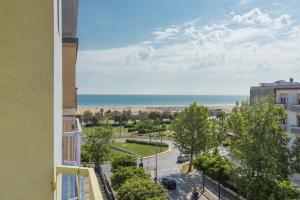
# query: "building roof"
[280,84]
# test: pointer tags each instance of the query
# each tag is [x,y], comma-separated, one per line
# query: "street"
[167,166]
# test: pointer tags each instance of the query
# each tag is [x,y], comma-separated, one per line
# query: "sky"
[186,46]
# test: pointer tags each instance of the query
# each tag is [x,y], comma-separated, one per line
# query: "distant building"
[286,94]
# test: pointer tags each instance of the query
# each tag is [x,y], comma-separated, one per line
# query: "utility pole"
[156,168]
[160,133]
[120,124]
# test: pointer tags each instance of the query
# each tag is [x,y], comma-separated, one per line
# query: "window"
[283,100]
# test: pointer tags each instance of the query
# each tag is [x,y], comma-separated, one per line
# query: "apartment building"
[31,115]
[286,94]
[71,126]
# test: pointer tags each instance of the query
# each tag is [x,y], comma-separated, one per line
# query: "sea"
[87,100]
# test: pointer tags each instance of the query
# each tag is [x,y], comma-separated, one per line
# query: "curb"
[124,151]
[147,157]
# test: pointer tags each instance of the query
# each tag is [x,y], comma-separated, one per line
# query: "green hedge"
[147,143]
[132,129]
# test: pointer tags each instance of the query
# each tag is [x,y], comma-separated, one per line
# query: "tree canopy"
[191,129]
[97,144]
[259,146]
[141,189]
[123,161]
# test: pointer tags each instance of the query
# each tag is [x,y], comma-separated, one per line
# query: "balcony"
[71,141]
[71,126]
[295,129]
[294,108]
[86,186]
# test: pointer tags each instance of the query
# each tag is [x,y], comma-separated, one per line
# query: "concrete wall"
[29,75]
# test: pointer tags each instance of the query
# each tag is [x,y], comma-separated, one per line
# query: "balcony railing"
[71,141]
[295,129]
[294,108]
[71,125]
[91,188]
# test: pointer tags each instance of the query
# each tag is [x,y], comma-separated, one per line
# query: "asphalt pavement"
[167,166]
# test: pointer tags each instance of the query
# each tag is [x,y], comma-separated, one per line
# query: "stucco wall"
[28,105]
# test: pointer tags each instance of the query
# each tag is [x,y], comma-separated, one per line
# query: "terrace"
[86,185]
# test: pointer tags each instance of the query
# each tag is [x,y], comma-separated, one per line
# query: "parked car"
[182,158]
[169,182]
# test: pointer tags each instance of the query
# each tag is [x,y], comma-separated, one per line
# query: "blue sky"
[186,46]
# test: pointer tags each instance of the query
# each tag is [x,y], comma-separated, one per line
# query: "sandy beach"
[158,108]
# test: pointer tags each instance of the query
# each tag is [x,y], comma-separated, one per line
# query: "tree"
[167,115]
[218,132]
[285,190]
[116,116]
[122,161]
[259,146]
[126,116]
[154,115]
[191,129]
[97,144]
[123,174]
[295,156]
[215,166]
[97,118]
[87,117]
[141,189]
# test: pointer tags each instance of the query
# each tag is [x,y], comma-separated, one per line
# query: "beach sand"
[158,108]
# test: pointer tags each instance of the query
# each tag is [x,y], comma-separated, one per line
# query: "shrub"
[129,126]
[141,189]
[227,142]
[285,190]
[147,143]
[132,129]
[122,161]
[123,174]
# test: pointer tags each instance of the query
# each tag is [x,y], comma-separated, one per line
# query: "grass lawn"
[140,149]
[113,154]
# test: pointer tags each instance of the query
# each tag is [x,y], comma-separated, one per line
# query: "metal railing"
[71,125]
[94,192]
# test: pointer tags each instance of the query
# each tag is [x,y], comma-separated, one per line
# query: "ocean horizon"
[121,100]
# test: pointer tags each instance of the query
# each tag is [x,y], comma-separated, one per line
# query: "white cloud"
[245,2]
[258,18]
[249,45]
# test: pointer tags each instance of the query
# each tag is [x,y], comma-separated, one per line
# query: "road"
[167,166]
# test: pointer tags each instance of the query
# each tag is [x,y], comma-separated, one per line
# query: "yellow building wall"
[69,53]
[26,99]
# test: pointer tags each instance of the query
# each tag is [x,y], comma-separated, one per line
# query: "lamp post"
[155,167]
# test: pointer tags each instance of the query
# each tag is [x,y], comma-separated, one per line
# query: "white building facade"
[289,97]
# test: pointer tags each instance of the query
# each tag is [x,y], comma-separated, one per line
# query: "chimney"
[291,80]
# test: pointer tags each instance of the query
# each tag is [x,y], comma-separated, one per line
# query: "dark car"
[182,158]
[169,182]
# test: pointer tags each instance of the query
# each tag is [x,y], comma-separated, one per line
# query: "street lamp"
[155,169]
